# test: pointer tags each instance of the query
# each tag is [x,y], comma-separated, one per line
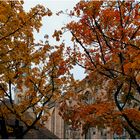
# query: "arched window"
[88,98]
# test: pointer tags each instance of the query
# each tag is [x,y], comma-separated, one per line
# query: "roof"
[40,133]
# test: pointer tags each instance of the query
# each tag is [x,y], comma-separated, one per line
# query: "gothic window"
[70,133]
[135,105]
[67,131]
[90,133]
[88,98]
[103,133]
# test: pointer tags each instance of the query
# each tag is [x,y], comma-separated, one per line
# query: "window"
[70,133]
[91,131]
[103,133]
[88,98]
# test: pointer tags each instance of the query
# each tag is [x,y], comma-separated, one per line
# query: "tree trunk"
[4,133]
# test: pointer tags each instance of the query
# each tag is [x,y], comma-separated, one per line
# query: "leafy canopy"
[106,44]
[36,71]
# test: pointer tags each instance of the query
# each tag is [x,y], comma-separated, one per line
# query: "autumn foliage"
[106,41]
[31,73]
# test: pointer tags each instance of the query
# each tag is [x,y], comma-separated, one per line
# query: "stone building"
[64,131]
[11,126]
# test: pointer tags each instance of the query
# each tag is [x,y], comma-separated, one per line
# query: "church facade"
[64,131]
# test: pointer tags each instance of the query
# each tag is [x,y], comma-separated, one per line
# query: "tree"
[106,44]
[36,71]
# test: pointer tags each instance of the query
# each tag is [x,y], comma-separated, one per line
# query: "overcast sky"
[55,22]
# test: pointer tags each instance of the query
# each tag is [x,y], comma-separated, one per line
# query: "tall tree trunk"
[4,133]
[18,130]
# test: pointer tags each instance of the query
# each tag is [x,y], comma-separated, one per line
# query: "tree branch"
[86,51]
[121,109]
